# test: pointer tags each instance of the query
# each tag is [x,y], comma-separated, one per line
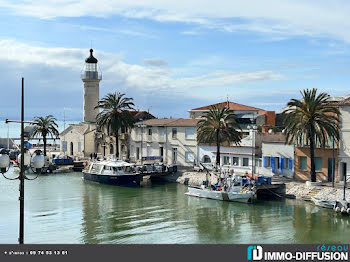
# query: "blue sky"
[171,56]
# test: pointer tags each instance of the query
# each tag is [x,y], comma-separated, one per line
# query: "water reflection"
[66,209]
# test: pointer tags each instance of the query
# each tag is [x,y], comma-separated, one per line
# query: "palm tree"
[45,126]
[219,125]
[115,114]
[312,119]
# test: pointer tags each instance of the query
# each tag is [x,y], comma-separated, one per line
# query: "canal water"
[63,208]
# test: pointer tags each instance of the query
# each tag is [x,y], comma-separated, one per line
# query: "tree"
[46,126]
[115,114]
[217,126]
[312,119]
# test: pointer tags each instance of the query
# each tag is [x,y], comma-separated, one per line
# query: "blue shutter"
[273,164]
[290,164]
[265,161]
[281,164]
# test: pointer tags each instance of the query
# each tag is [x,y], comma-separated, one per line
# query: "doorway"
[331,168]
[344,167]
[161,153]
[71,148]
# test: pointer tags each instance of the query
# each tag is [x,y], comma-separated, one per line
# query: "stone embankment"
[298,190]
[190,178]
[302,191]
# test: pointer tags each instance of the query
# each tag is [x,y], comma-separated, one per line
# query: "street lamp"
[253,128]
[26,161]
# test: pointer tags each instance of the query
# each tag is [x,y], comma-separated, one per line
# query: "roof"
[170,122]
[231,105]
[91,59]
[345,101]
[273,137]
[141,115]
[79,128]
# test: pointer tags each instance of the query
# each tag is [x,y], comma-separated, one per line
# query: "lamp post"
[24,158]
[253,128]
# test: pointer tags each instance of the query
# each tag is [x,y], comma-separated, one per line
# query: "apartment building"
[172,141]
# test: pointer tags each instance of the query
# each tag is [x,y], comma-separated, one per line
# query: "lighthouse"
[91,79]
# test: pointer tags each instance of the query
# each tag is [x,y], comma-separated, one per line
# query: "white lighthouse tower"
[91,78]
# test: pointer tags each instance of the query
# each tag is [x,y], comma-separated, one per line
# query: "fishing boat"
[323,203]
[234,194]
[228,188]
[113,172]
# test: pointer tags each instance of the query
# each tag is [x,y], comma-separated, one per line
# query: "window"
[189,133]
[162,132]
[79,146]
[245,161]
[149,131]
[174,155]
[226,160]
[285,164]
[206,159]
[235,161]
[123,149]
[189,157]
[111,149]
[302,163]
[318,164]
[174,133]
[149,151]
[267,161]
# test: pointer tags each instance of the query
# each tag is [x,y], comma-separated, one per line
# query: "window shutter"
[265,161]
[273,164]
[290,164]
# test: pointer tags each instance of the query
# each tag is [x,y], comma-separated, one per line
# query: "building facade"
[323,163]
[278,157]
[246,115]
[242,158]
[172,141]
[344,143]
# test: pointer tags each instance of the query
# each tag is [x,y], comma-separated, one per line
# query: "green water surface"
[63,208]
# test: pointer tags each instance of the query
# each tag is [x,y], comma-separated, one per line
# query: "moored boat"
[113,172]
[234,194]
[323,203]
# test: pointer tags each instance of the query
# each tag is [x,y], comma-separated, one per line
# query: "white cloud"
[155,62]
[276,17]
[158,76]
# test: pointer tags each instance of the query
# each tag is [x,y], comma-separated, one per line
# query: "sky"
[171,56]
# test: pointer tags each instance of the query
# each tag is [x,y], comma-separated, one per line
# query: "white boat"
[234,194]
[323,203]
[114,172]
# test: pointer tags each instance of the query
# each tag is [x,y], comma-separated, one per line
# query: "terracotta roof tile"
[232,106]
[170,122]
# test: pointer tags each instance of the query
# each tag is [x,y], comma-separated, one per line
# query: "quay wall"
[293,189]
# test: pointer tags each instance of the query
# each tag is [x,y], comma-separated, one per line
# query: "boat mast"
[64,129]
[8,137]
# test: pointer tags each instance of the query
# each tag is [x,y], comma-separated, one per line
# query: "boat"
[323,203]
[228,188]
[112,172]
[234,194]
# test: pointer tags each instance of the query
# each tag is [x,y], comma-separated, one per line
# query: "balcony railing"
[91,75]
